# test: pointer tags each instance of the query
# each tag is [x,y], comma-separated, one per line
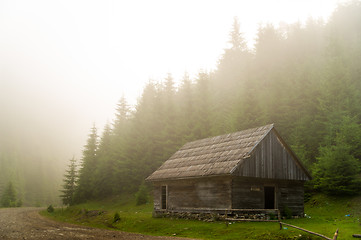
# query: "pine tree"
[230,79]
[144,146]
[203,112]
[8,198]
[170,117]
[338,170]
[119,146]
[237,40]
[121,116]
[69,186]
[104,175]
[85,189]
[303,78]
[185,102]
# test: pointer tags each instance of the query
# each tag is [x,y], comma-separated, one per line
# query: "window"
[164,197]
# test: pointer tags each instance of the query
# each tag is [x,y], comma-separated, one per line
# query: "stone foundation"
[211,217]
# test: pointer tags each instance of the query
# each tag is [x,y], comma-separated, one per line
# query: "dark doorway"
[269,197]
[164,197]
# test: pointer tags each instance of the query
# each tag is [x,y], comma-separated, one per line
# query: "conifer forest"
[303,77]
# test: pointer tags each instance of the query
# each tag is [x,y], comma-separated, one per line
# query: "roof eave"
[186,178]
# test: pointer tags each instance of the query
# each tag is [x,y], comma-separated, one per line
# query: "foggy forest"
[303,77]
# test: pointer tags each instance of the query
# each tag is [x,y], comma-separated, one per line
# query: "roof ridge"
[226,134]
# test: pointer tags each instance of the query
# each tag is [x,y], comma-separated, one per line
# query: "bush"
[50,209]
[272,216]
[142,195]
[287,212]
[337,170]
[19,203]
[116,217]
[8,198]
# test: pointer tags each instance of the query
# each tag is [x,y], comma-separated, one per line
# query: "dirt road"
[26,223]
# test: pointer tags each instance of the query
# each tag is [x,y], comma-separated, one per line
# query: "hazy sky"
[65,64]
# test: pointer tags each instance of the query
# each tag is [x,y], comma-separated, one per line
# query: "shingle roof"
[211,156]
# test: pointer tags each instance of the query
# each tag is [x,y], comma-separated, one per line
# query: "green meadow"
[323,215]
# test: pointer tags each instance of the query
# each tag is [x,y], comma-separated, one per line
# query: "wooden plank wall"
[213,192]
[157,194]
[271,160]
[291,194]
[248,193]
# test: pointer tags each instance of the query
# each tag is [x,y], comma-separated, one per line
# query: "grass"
[324,215]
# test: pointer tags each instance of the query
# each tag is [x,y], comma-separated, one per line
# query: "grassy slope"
[325,216]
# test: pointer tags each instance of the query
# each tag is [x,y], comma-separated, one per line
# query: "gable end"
[273,159]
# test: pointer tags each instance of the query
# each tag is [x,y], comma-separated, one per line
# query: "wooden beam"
[248,220]
[336,234]
[317,234]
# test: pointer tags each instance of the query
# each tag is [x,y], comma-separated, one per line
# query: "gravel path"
[26,223]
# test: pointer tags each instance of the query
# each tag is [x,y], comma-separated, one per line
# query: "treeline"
[305,78]
[33,171]
[8,197]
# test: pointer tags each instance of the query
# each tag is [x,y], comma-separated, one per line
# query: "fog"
[65,64]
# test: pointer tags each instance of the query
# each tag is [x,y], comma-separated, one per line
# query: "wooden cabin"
[250,169]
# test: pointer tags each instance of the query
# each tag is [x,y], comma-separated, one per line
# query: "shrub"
[19,203]
[272,216]
[50,209]
[8,198]
[287,212]
[142,195]
[116,217]
[337,170]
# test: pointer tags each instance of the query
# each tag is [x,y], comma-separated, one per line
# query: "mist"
[43,124]
[65,65]
[49,100]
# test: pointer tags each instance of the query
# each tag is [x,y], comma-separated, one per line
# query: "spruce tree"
[143,143]
[119,146]
[104,175]
[303,78]
[171,120]
[185,102]
[230,79]
[203,107]
[85,189]
[338,170]
[69,186]
[8,197]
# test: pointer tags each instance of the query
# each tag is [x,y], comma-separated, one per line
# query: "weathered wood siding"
[157,195]
[291,194]
[271,160]
[245,194]
[248,193]
[214,192]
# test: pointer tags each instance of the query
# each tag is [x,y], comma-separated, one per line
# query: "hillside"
[304,78]
[324,215]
